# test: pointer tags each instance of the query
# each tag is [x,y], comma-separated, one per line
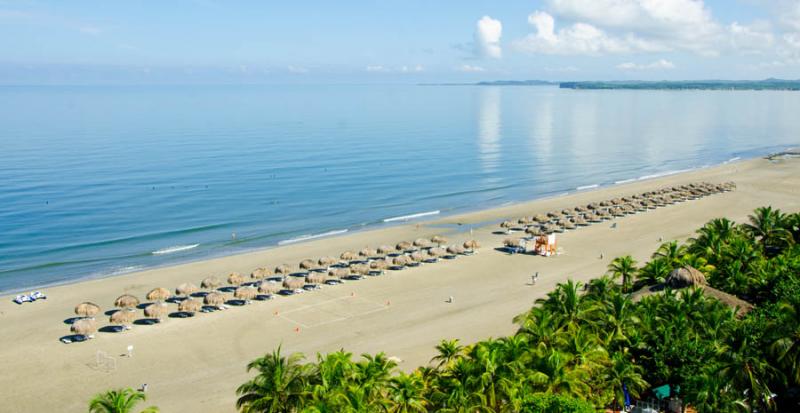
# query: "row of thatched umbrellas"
[595,212]
[264,281]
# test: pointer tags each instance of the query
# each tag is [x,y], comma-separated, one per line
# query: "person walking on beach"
[450,300]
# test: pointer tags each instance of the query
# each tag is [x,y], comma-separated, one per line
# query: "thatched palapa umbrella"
[422,243]
[507,225]
[308,264]
[156,311]
[540,218]
[86,327]
[283,269]
[438,240]
[158,294]
[235,279]
[512,242]
[580,221]
[326,262]
[416,256]
[260,273]
[122,317]
[87,309]
[400,261]
[190,305]
[349,256]
[472,244]
[403,246]
[535,231]
[269,287]
[316,278]
[293,283]
[385,250]
[455,249]
[210,283]
[379,264]
[368,252]
[215,299]
[185,289]
[245,293]
[361,269]
[126,301]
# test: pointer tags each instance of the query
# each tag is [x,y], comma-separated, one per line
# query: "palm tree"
[671,252]
[769,227]
[623,372]
[448,350]
[119,401]
[624,267]
[786,347]
[406,394]
[654,272]
[280,385]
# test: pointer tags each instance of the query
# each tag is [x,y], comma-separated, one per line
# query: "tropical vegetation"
[595,345]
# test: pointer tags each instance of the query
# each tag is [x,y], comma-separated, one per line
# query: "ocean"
[102,180]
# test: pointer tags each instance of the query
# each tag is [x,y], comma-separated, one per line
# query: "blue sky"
[199,41]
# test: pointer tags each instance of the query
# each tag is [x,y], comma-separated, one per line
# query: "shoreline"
[390,222]
[196,364]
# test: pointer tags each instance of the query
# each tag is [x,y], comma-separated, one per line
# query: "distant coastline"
[766,84]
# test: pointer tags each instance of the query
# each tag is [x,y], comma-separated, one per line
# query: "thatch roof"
[269,287]
[316,278]
[436,252]
[685,277]
[730,300]
[210,283]
[327,261]
[261,272]
[472,244]
[158,294]
[156,310]
[455,249]
[385,249]
[541,218]
[403,246]
[368,252]
[84,326]
[348,256]
[438,239]
[214,298]
[506,224]
[235,278]
[293,283]
[362,269]
[190,305]
[338,272]
[185,289]
[283,269]
[308,264]
[511,242]
[126,301]
[245,293]
[122,317]
[87,309]
[379,264]
[422,242]
[400,260]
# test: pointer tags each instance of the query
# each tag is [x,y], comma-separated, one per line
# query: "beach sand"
[196,364]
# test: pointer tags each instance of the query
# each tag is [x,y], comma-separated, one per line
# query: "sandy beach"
[196,364]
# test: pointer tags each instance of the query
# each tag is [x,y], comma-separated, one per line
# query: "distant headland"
[766,84]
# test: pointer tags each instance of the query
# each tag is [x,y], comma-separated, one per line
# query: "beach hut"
[235,279]
[156,311]
[86,327]
[293,283]
[87,309]
[368,252]
[687,276]
[126,301]
[210,283]
[245,293]
[158,294]
[269,287]
[316,278]
[348,256]
[260,273]
[308,264]
[123,318]
[190,305]
[186,289]
[385,250]
[283,269]
[214,299]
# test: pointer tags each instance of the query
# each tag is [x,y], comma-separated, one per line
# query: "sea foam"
[412,216]
[177,248]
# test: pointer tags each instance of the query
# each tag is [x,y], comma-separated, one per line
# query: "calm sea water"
[103,180]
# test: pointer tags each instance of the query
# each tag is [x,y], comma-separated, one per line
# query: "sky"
[393,41]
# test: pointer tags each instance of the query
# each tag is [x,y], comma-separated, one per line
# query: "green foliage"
[554,403]
[576,348]
[119,401]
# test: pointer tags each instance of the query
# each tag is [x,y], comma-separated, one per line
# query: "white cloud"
[401,69]
[91,30]
[487,38]
[660,64]
[417,68]
[470,68]
[578,38]
[754,38]
[375,68]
